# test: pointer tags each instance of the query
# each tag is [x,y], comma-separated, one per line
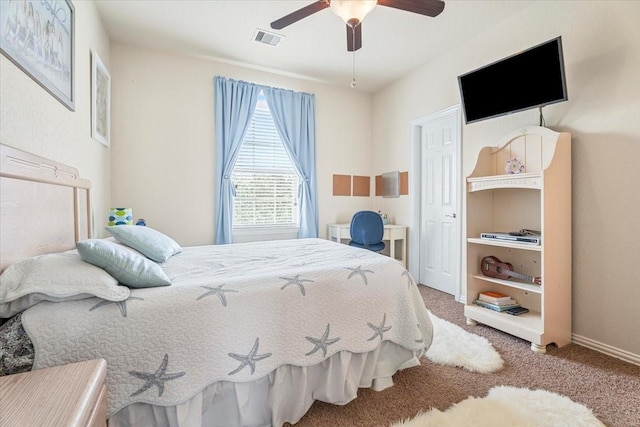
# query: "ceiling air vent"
[265,37]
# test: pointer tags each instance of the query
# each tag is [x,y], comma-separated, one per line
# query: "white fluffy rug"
[453,346]
[509,406]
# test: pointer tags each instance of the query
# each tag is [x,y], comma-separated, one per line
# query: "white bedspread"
[236,313]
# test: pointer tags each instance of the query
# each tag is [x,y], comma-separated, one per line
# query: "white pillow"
[55,277]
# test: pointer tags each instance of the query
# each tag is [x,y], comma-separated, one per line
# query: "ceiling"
[393,41]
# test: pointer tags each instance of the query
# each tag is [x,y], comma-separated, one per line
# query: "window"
[265,181]
[286,207]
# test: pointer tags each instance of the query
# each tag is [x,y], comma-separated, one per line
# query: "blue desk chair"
[367,230]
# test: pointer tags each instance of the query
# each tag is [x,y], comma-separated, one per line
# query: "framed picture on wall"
[100,100]
[38,36]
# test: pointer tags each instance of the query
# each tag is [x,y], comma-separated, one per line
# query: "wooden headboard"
[45,206]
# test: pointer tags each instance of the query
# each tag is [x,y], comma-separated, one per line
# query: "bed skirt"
[284,395]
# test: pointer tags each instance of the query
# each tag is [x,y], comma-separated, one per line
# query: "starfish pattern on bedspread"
[158,378]
[356,255]
[250,359]
[215,265]
[322,342]
[217,291]
[295,281]
[379,330]
[360,272]
[122,305]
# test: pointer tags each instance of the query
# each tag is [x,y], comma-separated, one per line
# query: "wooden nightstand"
[68,395]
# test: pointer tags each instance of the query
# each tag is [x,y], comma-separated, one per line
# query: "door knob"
[453,215]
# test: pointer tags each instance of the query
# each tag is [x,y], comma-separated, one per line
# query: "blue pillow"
[126,266]
[151,243]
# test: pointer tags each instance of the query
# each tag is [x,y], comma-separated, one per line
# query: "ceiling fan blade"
[299,14]
[423,7]
[354,37]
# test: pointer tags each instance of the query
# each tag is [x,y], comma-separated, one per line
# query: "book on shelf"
[495,307]
[495,297]
[510,301]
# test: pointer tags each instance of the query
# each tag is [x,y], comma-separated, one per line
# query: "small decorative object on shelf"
[384,217]
[141,221]
[120,216]
[514,166]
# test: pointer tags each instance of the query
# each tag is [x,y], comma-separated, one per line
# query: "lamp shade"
[120,216]
[352,12]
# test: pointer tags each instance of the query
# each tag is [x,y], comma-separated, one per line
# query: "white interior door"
[439,199]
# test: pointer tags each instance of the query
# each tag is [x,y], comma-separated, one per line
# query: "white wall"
[163,139]
[33,120]
[601,41]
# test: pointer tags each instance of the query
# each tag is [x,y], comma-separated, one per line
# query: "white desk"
[392,233]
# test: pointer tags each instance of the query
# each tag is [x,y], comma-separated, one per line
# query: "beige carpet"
[607,386]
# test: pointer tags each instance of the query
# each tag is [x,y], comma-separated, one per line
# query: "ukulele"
[493,267]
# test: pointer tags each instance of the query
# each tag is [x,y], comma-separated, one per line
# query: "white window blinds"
[266,183]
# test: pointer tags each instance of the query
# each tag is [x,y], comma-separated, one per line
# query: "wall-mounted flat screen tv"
[529,79]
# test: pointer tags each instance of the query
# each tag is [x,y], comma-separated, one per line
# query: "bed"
[244,334]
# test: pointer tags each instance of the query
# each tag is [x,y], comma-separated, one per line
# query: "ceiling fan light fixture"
[352,12]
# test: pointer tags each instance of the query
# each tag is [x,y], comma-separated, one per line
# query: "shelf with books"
[526,326]
[537,289]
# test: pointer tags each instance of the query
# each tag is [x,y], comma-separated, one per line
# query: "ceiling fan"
[353,12]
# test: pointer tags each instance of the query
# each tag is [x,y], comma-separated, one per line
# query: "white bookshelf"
[539,198]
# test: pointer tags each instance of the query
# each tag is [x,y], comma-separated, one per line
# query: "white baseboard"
[627,356]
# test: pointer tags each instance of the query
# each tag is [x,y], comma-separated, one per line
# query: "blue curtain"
[235,102]
[294,116]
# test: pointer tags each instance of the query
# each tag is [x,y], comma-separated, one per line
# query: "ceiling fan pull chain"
[353,81]
[353,37]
